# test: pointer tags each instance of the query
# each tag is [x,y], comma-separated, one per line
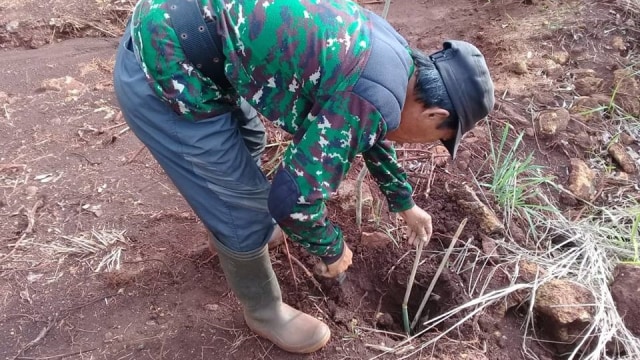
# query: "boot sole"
[308,350]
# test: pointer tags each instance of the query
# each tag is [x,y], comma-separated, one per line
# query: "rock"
[4,98]
[547,67]
[12,26]
[622,157]
[581,179]
[342,315]
[552,121]
[590,108]
[346,196]
[585,141]
[519,67]
[530,132]
[72,87]
[577,74]
[588,85]
[617,42]
[384,320]
[468,200]
[462,160]
[625,290]
[560,57]
[441,156]
[212,307]
[512,114]
[627,139]
[546,98]
[375,239]
[490,249]
[627,91]
[564,309]
[529,271]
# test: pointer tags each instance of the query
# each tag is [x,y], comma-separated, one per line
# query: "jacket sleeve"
[313,166]
[383,164]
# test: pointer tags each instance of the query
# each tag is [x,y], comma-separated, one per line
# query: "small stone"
[462,165]
[490,248]
[552,121]
[585,141]
[588,85]
[581,180]
[151,323]
[560,57]
[31,191]
[530,271]
[4,98]
[212,307]
[622,158]
[384,319]
[441,156]
[564,308]
[375,239]
[519,67]
[108,335]
[140,347]
[530,132]
[627,91]
[617,42]
[577,74]
[627,139]
[346,196]
[469,201]
[12,26]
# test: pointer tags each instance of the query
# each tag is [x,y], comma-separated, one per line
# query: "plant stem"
[359,181]
[412,278]
[435,278]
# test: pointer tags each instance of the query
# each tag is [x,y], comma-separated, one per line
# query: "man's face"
[420,125]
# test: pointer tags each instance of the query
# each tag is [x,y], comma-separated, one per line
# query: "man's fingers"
[411,236]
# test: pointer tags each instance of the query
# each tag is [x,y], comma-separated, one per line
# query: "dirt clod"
[564,309]
[347,194]
[622,158]
[618,43]
[581,179]
[627,91]
[627,139]
[588,85]
[468,200]
[551,122]
[519,67]
[375,239]
[625,290]
[560,57]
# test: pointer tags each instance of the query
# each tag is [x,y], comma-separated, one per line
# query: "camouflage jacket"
[329,72]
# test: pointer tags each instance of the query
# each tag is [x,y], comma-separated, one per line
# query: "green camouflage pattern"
[296,62]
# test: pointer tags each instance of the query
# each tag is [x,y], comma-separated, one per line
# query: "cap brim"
[452,144]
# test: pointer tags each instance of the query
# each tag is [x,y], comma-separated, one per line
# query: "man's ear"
[435,114]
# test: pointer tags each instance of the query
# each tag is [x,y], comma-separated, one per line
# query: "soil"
[70,170]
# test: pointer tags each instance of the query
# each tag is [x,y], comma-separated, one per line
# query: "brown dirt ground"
[67,168]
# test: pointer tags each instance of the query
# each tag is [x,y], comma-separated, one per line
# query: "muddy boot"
[254,283]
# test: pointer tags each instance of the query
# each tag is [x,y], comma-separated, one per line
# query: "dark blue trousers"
[212,162]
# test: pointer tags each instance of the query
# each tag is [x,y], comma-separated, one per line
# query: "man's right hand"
[338,267]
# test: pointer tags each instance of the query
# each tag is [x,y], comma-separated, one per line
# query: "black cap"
[466,77]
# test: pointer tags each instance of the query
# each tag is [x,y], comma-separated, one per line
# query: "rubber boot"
[277,239]
[254,283]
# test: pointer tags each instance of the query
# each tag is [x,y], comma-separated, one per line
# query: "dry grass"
[101,249]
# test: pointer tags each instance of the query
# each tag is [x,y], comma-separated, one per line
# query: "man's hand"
[338,267]
[419,223]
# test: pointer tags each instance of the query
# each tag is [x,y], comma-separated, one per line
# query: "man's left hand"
[419,224]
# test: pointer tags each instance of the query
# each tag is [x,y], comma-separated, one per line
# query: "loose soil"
[69,167]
